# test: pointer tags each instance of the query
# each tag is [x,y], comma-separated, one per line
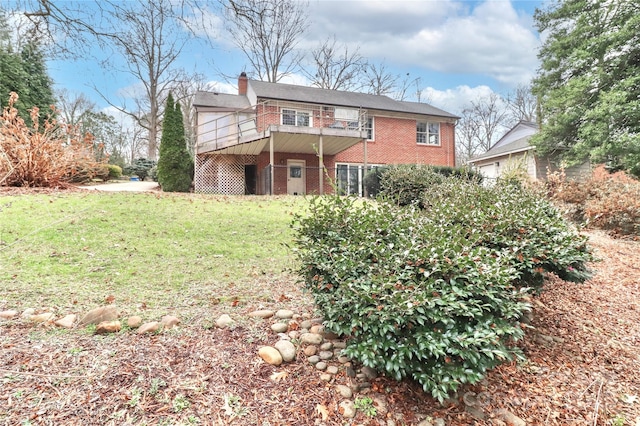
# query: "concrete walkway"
[130,186]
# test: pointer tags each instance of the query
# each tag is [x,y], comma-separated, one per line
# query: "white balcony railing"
[218,130]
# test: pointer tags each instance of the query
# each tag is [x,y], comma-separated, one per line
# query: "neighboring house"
[513,150]
[274,138]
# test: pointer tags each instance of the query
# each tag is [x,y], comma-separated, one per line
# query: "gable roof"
[515,140]
[221,100]
[291,92]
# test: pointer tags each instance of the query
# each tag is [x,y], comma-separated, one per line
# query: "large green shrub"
[405,183]
[435,294]
[175,166]
[115,171]
[140,168]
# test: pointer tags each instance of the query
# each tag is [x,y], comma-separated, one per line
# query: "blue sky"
[459,49]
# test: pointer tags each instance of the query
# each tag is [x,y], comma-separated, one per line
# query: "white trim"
[428,133]
[297,113]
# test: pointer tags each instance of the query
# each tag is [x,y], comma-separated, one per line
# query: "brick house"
[274,138]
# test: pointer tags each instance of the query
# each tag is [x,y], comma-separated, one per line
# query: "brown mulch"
[583,359]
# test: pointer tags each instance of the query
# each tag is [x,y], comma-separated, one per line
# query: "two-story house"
[274,138]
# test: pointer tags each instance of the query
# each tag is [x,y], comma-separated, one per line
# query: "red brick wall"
[312,171]
[395,143]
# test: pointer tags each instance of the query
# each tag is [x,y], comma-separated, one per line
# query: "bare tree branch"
[378,80]
[267,32]
[335,67]
[522,104]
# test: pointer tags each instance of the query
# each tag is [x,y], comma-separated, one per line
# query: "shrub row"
[436,294]
[406,182]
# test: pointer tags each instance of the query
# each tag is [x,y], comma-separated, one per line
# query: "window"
[428,133]
[350,178]
[368,127]
[292,117]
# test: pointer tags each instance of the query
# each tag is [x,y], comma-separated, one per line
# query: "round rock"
[284,314]
[262,313]
[134,321]
[332,369]
[9,314]
[279,327]
[327,346]
[314,359]
[45,317]
[224,321]
[344,391]
[270,355]
[369,372]
[149,327]
[108,327]
[311,350]
[169,321]
[287,350]
[311,338]
[321,366]
[66,321]
[347,409]
[326,354]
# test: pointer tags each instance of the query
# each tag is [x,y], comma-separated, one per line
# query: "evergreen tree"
[589,82]
[38,91]
[175,166]
[25,73]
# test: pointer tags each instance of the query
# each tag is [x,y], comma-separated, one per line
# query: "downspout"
[364,167]
[271,168]
[321,166]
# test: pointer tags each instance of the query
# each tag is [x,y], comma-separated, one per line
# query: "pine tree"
[175,166]
[589,82]
[38,91]
[26,74]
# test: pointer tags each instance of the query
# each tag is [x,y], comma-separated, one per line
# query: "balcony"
[279,126]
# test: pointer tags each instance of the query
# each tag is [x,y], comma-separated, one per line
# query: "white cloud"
[222,87]
[125,120]
[208,24]
[455,100]
[446,36]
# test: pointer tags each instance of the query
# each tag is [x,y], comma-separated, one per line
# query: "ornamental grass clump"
[434,295]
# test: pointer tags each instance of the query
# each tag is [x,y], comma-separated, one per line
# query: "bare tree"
[467,137]
[522,104]
[335,67]
[267,32]
[149,36]
[490,116]
[72,106]
[184,93]
[378,80]
[409,87]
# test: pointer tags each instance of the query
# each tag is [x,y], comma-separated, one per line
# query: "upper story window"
[428,133]
[368,127]
[292,117]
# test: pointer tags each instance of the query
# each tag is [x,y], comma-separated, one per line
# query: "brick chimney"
[242,83]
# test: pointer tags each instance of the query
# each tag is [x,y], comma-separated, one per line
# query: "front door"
[296,182]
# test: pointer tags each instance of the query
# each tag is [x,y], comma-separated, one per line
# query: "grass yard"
[163,252]
[198,257]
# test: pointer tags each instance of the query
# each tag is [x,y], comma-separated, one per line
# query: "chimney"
[242,83]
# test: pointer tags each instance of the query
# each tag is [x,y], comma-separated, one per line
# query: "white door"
[296,182]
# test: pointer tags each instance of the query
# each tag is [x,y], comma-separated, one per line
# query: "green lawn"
[70,251]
